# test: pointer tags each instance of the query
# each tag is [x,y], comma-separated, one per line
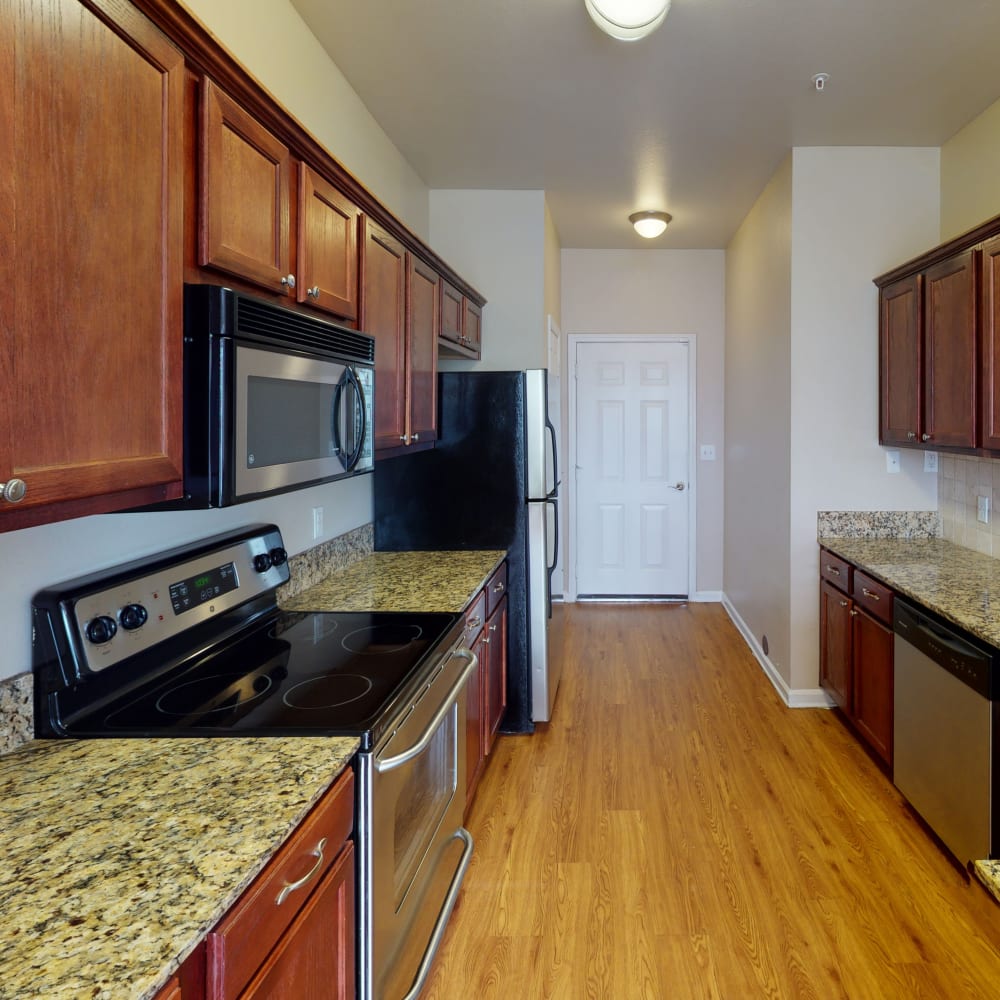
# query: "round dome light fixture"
[627,20]
[650,224]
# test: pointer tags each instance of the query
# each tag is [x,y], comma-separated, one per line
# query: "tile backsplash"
[307,568]
[961,481]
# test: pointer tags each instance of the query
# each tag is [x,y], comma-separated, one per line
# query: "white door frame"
[569,478]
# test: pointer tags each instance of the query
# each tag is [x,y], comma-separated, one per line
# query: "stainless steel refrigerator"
[490,482]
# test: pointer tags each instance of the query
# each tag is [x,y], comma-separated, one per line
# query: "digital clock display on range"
[205,586]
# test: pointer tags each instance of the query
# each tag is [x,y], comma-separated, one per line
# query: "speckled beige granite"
[988,872]
[878,524]
[402,581]
[959,584]
[118,855]
[310,567]
[16,712]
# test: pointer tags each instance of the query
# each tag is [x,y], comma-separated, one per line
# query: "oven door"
[419,850]
[298,420]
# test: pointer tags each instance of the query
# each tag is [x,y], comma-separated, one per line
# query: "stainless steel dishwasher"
[943,730]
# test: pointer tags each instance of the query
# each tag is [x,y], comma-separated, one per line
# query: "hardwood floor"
[677,832]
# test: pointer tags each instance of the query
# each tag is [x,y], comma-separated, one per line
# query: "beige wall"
[970,175]
[272,41]
[758,417]
[553,270]
[497,241]
[668,292]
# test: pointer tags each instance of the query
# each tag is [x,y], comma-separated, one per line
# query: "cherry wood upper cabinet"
[245,194]
[423,303]
[383,316]
[900,355]
[990,344]
[951,414]
[472,327]
[452,311]
[91,191]
[327,266]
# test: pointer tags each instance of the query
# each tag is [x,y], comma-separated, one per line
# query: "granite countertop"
[402,581]
[119,855]
[960,584]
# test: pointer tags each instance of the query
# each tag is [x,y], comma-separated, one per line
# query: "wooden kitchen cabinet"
[990,344]
[472,328]
[475,720]
[495,695]
[460,333]
[245,194]
[401,310]
[91,161]
[856,650]
[292,933]
[900,362]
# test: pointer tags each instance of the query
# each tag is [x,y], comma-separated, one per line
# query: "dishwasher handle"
[960,655]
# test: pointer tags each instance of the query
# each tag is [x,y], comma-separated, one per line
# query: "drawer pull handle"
[475,621]
[833,570]
[854,611]
[870,593]
[498,589]
[290,887]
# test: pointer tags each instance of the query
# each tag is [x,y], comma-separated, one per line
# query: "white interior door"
[632,482]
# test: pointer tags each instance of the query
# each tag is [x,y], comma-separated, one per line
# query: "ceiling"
[693,120]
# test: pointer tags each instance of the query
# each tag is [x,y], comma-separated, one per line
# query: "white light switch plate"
[983,509]
[892,461]
[930,461]
[317,522]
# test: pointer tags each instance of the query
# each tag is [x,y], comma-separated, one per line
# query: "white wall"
[758,417]
[616,292]
[496,241]
[271,40]
[970,166]
[856,213]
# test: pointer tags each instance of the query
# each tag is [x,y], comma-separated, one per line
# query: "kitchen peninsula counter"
[402,581]
[119,855]
[957,583]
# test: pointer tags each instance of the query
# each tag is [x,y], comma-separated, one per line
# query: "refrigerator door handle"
[555,551]
[555,458]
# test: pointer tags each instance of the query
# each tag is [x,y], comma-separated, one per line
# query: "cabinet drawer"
[249,931]
[496,589]
[835,569]
[873,596]
[475,618]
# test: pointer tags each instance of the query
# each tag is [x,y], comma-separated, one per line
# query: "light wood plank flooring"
[677,832]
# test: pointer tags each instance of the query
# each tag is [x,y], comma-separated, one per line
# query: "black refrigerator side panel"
[468,492]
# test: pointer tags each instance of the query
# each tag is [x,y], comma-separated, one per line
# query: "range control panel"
[143,605]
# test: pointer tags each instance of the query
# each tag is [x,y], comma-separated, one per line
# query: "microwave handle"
[335,417]
[360,411]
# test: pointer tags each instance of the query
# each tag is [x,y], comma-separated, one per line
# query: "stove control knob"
[278,556]
[101,629]
[133,616]
[262,562]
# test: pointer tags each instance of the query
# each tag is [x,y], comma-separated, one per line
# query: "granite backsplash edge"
[908,524]
[307,568]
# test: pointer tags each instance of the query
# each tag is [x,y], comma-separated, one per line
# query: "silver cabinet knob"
[313,292]
[925,437]
[414,437]
[13,490]
[404,438]
[288,281]
[911,435]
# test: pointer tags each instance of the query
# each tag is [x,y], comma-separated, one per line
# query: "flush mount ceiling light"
[628,20]
[649,224]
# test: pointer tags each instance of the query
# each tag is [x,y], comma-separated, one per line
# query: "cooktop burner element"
[233,664]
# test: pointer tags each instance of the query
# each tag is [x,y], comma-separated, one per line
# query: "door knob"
[680,487]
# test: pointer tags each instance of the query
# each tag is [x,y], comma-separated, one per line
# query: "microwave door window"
[288,421]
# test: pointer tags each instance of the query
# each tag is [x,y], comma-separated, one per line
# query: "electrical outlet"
[930,461]
[892,461]
[317,522]
[983,509]
[708,452]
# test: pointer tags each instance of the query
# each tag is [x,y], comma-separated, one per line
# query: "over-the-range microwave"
[274,399]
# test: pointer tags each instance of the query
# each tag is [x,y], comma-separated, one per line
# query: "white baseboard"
[792,697]
[706,597]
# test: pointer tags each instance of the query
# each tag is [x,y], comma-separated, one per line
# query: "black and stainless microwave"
[274,399]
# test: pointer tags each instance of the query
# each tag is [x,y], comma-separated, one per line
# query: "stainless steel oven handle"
[391,763]
[442,921]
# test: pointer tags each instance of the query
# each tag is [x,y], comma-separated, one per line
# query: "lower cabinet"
[856,643]
[486,692]
[291,934]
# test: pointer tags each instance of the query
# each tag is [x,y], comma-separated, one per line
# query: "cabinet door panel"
[475,750]
[472,327]
[872,687]
[383,316]
[423,303]
[950,408]
[991,345]
[900,359]
[452,308]
[93,175]
[496,678]
[835,645]
[245,193]
[328,246]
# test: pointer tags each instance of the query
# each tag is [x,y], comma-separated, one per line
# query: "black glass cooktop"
[301,673]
